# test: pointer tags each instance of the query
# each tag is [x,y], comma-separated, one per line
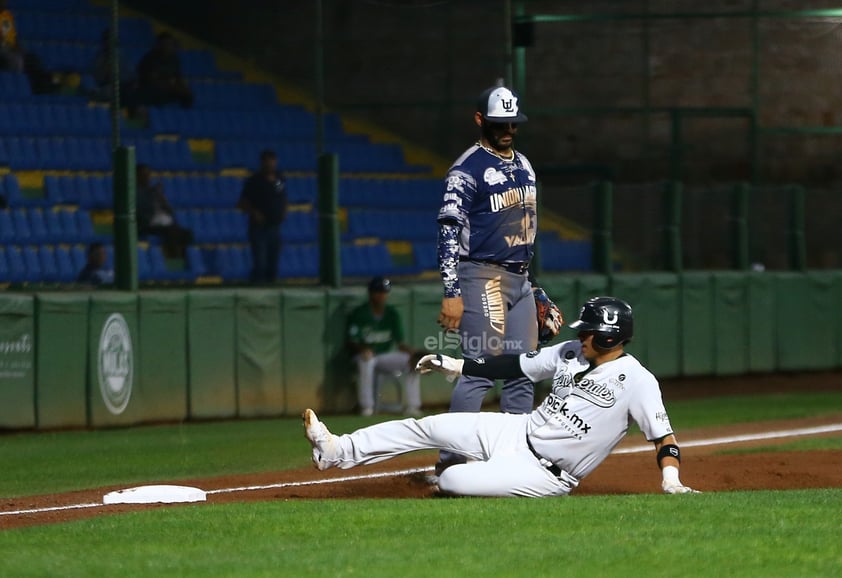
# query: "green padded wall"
[62,330]
[339,393]
[805,312]
[115,396]
[633,288]
[260,389]
[163,359]
[731,323]
[17,361]
[425,332]
[562,290]
[697,334]
[211,340]
[588,286]
[303,339]
[663,326]
[762,322]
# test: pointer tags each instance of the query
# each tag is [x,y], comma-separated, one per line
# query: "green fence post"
[739,234]
[125,226]
[602,237]
[672,227]
[797,245]
[676,146]
[329,266]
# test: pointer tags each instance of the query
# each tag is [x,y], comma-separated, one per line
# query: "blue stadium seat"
[564,255]
[23,234]
[79,258]
[425,256]
[7,229]
[145,272]
[14,86]
[194,262]
[55,231]
[86,227]
[38,227]
[67,272]
[17,268]
[49,266]
[70,227]
[32,264]
[5,274]
[12,191]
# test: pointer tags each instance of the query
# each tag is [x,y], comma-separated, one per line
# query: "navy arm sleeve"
[496,367]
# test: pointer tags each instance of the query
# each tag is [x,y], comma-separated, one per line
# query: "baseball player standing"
[598,389]
[487,226]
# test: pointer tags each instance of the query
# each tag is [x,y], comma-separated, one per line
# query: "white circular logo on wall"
[115,364]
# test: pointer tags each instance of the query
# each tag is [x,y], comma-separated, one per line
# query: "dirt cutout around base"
[705,468]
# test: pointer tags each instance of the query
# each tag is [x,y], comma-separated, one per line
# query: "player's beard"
[493,137]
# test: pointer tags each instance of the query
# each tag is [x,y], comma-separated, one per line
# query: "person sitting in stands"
[13,57]
[159,75]
[104,78]
[156,217]
[95,272]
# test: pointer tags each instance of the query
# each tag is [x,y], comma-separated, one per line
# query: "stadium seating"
[58,150]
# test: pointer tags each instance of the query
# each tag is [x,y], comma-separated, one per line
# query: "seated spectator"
[14,58]
[159,75]
[11,57]
[156,217]
[104,79]
[376,342]
[95,272]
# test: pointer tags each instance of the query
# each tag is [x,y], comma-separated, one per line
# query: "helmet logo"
[610,321]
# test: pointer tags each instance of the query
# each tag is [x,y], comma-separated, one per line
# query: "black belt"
[516,268]
[554,469]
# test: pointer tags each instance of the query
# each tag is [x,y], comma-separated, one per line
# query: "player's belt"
[554,469]
[516,268]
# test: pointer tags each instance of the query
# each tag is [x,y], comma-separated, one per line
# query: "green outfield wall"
[109,359]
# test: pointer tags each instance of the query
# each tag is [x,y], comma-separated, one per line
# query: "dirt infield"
[704,467]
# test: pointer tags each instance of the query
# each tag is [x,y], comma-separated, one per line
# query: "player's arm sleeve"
[460,187]
[448,254]
[536,365]
[648,411]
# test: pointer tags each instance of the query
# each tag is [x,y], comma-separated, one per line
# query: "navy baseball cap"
[499,104]
[379,285]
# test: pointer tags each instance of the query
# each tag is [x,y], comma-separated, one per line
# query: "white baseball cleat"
[325,450]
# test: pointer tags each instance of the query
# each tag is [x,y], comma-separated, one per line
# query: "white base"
[155,495]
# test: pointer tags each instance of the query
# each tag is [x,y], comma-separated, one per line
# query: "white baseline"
[406,472]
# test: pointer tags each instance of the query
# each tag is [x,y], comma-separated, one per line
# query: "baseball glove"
[549,316]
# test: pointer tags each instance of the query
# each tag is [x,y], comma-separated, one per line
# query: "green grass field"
[765,534]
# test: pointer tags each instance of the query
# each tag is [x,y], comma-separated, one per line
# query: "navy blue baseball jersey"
[493,200]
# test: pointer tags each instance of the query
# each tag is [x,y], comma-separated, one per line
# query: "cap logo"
[502,104]
[605,317]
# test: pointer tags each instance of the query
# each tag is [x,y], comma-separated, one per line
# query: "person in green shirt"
[375,329]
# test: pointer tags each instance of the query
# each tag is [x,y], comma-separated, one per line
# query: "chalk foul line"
[725,440]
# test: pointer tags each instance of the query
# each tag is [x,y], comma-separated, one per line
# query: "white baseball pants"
[503,466]
[388,363]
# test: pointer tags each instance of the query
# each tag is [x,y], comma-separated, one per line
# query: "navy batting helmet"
[610,320]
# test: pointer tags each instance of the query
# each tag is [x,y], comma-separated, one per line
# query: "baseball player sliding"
[597,388]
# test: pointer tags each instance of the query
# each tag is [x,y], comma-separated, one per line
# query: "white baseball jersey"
[589,409]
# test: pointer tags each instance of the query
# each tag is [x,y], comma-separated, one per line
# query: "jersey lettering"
[559,408]
[594,392]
